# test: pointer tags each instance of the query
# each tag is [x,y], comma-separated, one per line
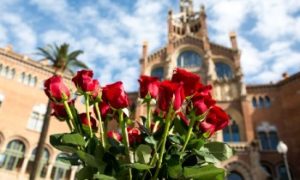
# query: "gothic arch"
[240,167]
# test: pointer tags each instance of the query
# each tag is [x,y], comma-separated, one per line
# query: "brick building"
[261,115]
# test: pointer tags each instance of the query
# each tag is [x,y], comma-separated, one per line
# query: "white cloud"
[111,35]
[24,35]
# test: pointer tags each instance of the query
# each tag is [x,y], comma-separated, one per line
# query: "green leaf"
[196,143]
[74,139]
[143,154]
[175,139]
[150,140]
[85,173]
[140,166]
[180,127]
[174,166]
[215,152]
[209,172]
[103,177]
[88,159]
[55,140]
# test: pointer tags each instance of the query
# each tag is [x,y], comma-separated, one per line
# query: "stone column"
[24,164]
[49,169]
[73,172]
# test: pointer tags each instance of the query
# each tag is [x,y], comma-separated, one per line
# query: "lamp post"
[282,149]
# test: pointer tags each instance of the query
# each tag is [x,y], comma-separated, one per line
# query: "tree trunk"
[40,148]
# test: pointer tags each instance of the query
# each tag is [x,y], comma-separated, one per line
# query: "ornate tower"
[188,46]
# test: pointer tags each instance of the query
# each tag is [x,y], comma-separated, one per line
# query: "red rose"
[149,85]
[202,100]
[114,135]
[215,120]
[104,110]
[134,135]
[84,121]
[189,80]
[59,110]
[85,83]
[55,89]
[170,92]
[115,95]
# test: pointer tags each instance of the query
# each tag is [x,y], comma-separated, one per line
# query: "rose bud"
[215,120]
[85,83]
[189,80]
[56,90]
[104,110]
[115,95]
[114,135]
[59,110]
[148,85]
[134,135]
[170,93]
[85,122]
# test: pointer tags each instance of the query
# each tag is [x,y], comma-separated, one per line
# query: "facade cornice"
[29,62]
[274,86]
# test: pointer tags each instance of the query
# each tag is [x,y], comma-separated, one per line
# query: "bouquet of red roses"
[170,142]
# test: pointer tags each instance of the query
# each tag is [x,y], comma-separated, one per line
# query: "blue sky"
[111,32]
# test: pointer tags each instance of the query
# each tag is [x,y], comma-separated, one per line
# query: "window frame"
[197,60]
[13,154]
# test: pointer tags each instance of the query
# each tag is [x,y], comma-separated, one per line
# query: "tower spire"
[186,6]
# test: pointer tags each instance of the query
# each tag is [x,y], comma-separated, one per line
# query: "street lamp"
[283,149]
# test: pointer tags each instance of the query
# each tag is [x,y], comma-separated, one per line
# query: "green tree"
[62,60]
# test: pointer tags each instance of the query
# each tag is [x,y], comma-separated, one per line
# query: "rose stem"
[102,135]
[165,134]
[87,104]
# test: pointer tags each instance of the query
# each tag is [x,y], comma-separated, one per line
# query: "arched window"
[261,102]
[223,70]
[189,59]
[282,172]
[22,77]
[11,73]
[254,102]
[158,72]
[268,140]
[13,156]
[28,80]
[33,81]
[6,72]
[231,133]
[61,169]
[1,67]
[43,162]
[267,101]
[233,175]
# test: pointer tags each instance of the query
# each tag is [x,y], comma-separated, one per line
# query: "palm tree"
[61,60]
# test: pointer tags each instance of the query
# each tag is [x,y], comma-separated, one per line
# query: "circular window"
[189,59]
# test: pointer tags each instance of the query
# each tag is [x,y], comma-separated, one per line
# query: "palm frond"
[61,58]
